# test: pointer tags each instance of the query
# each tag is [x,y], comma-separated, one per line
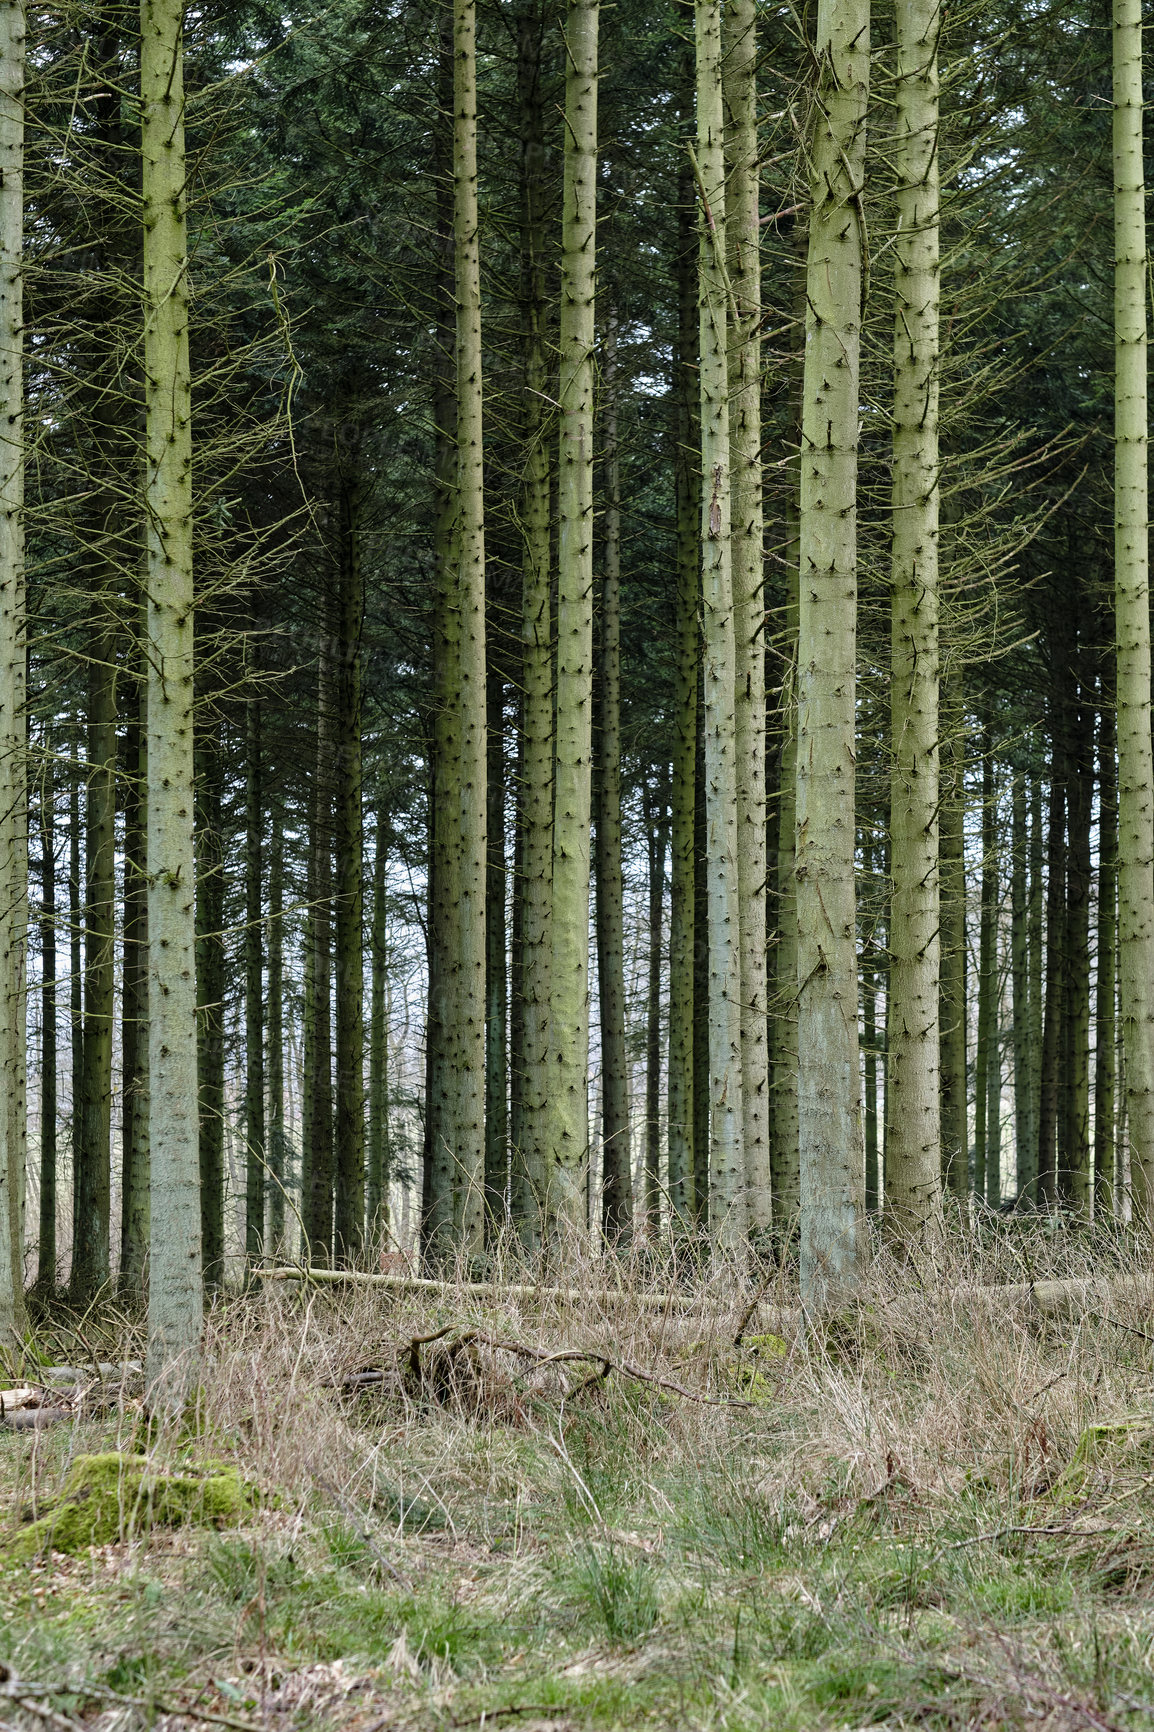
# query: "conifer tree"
[829,1090]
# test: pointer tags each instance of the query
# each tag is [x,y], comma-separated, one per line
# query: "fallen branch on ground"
[368,1379]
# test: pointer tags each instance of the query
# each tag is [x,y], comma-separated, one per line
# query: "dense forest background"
[389,756]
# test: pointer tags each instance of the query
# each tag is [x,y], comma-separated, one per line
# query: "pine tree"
[829,1091]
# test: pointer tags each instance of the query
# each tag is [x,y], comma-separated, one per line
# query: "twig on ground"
[1001,1534]
[366,1538]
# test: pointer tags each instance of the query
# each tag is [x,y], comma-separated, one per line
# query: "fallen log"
[485,1289]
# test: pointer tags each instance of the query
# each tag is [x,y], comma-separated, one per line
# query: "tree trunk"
[317,1207]
[254,1117]
[952,991]
[913,1167]
[13,772]
[657,842]
[174,1287]
[784,1146]
[90,1262]
[464,1128]
[727,1187]
[496,964]
[349,1212]
[76,963]
[829,1093]
[1025,1151]
[1132,606]
[686,636]
[1034,923]
[277,1138]
[743,235]
[701,972]
[379,1163]
[986,1176]
[569,1038]
[1055,970]
[1076,1176]
[46,1256]
[1105,1079]
[616,1165]
[135,1225]
[534,884]
[437,1188]
[210,999]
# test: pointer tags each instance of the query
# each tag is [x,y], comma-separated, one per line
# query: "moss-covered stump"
[109,1498]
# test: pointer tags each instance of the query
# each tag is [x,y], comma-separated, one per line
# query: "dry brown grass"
[931,1509]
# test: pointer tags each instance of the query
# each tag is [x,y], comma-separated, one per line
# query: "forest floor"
[937,1512]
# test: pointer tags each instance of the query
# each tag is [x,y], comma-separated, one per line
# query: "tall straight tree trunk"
[913,1168]
[743,235]
[987,975]
[210,999]
[1076,1176]
[727,1186]
[1105,1078]
[869,988]
[1035,917]
[135,1226]
[1025,1149]
[616,1167]
[657,843]
[1132,606]
[90,1265]
[784,1146]
[317,1208]
[76,961]
[463,1129]
[254,1115]
[952,989]
[13,773]
[686,637]
[174,1286]
[1050,1078]
[829,1092]
[437,1186]
[534,882]
[46,1260]
[378,1158]
[569,986]
[702,1106]
[349,1212]
[496,961]
[277,1137]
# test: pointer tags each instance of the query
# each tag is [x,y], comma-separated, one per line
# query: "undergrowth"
[936,1512]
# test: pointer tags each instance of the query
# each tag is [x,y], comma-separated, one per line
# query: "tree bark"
[379,1162]
[317,1202]
[987,1079]
[1076,1186]
[135,1225]
[174,1288]
[496,964]
[1050,1077]
[277,1136]
[829,1093]
[616,1161]
[1132,605]
[464,1127]
[46,1255]
[569,986]
[1025,1150]
[913,1167]
[13,770]
[349,1211]
[210,999]
[1105,1078]
[743,236]
[254,1114]
[686,638]
[657,842]
[727,1180]
[534,882]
